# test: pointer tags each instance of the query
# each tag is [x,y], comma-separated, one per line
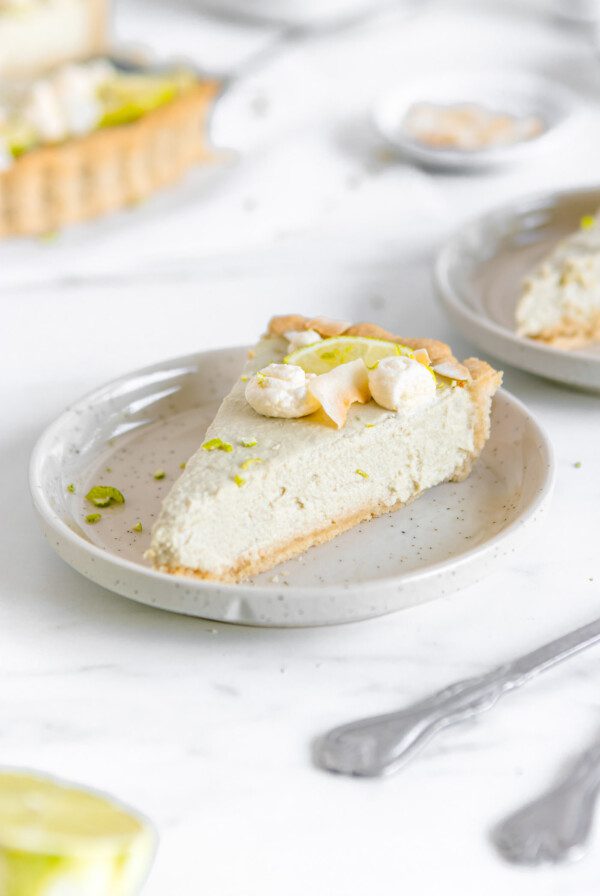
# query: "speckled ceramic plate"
[151,420]
[479,273]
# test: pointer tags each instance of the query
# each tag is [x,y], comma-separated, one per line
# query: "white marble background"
[206,727]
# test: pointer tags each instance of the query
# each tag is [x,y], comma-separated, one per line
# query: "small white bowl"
[521,94]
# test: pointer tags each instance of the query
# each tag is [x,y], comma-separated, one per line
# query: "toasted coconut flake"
[326,326]
[337,390]
[452,370]
[422,356]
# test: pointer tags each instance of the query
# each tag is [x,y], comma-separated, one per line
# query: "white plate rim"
[57,528]
[517,349]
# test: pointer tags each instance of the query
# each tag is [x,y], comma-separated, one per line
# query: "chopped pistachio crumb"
[182,465]
[244,378]
[108,469]
[261,380]
[248,443]
[217,445]
[587,222]
[49,237]
[239,480]
[92,518]
[137,527]
[104,496]
[250,461]
[362,473]
[159,474]
[71,488]
[369,425]
[577,465]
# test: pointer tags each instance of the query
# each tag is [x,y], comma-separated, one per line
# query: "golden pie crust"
[111,168]
[570,333]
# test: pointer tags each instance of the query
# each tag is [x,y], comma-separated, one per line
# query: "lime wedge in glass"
[57,839]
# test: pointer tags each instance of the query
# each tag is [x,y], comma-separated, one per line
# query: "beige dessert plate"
[480,270]
[131,431]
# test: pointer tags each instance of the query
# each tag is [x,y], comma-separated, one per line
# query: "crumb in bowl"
[468,126]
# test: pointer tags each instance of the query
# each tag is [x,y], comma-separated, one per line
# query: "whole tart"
[560,300]
[133,151]
[262,489]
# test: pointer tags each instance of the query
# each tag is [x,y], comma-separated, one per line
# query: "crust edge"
[568,333]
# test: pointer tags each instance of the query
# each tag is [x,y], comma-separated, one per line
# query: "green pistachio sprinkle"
[92,518]
[104,496]
[182,465]
[250,461]
[244,379]
[248,443]
[369,425]
[137,527]
[159,474]
[577,465]
[49,237]
[587,222]
[239,480]
[71,488]
[362,473]
[217,445]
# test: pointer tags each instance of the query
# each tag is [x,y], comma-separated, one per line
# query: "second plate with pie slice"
[480,271]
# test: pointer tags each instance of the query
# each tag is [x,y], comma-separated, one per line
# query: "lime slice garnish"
[56,837]
[126,97]
[323,356]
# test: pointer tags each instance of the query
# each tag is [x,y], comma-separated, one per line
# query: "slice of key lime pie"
[560,301]
[329,424]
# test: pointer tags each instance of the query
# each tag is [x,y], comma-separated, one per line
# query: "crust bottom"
[569,333]
[54,186]
[246,568]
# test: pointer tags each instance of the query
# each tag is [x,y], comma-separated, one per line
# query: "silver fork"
[381,744]
[556,826]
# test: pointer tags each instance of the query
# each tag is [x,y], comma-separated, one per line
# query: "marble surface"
[207,727]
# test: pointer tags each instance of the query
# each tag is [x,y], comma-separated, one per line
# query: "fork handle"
[383,743]
[379,744]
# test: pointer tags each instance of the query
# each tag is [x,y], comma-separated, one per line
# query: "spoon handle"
[379,744]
